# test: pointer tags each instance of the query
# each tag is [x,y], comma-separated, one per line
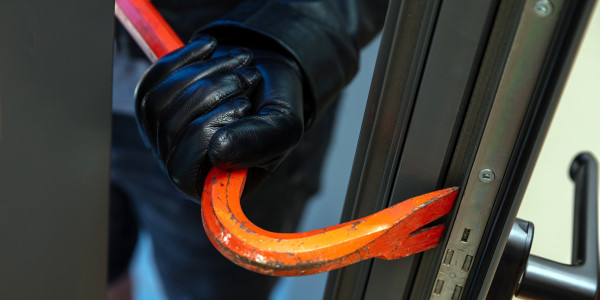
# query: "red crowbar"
[147,27]
[389,234]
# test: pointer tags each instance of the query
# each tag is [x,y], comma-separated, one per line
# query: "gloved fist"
[207,105]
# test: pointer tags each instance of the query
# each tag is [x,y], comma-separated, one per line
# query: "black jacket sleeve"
[324,37]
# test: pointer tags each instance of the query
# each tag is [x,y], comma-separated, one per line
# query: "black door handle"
[545,279]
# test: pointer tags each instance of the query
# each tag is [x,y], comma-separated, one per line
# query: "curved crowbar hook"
[389,234]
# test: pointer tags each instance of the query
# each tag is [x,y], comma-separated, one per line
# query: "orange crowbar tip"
[389,234]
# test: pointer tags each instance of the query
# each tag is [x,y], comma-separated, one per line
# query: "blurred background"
[548,202]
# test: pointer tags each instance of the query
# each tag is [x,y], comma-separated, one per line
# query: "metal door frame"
[437,81]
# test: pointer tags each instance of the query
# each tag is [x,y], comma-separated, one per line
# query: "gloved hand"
[203,106]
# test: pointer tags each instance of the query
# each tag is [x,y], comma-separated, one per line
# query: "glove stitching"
[248,58]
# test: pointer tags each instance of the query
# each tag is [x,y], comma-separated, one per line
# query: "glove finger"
[198,50]
[255,141]
[281,88]
[264,138]
[198,98]
[151,105]
[187,165]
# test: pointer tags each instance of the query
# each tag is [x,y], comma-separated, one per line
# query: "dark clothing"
[324,37]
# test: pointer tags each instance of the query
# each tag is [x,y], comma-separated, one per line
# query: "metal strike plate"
[526,57]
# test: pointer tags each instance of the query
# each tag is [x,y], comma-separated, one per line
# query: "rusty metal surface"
[389,234]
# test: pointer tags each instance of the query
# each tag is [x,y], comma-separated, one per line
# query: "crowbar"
[392,233]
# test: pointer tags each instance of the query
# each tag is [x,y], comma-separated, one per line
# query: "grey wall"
[55,85]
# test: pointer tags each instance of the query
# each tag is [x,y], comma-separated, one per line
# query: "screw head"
[486,175]
[543,8]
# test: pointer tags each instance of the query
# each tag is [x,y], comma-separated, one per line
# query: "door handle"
[546,279]
[532,277]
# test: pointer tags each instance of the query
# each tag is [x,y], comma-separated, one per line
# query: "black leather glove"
[207,105]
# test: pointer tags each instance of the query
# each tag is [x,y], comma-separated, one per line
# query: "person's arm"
[213,103]
[324,37]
